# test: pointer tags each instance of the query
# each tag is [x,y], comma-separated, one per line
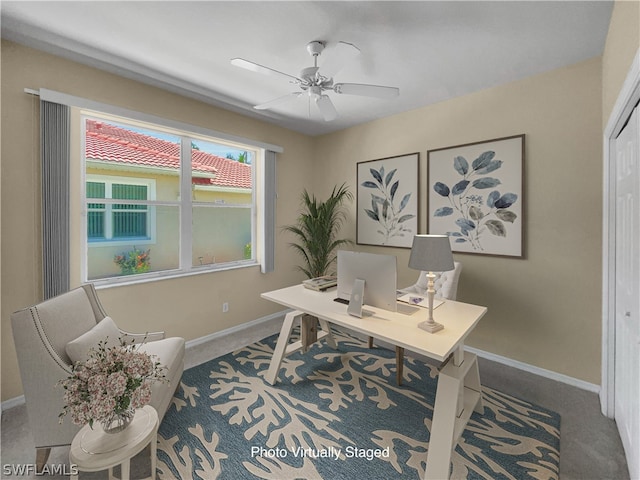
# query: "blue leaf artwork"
[477,206]
[388,204]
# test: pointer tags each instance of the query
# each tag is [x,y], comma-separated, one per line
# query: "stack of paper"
[320,283]
[419,300]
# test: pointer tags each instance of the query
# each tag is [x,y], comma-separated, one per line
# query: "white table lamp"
[431,253]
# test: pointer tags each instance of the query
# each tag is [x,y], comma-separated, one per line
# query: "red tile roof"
[109,143]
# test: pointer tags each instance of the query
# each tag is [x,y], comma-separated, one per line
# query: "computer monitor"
[377,271]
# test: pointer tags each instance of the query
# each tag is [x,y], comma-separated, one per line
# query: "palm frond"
[316,229]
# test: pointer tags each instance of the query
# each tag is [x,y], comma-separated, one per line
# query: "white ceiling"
[431,50]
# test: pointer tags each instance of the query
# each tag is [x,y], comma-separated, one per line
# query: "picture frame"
[387,201]
[476,196]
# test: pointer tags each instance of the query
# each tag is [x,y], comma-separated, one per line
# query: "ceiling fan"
[315,81]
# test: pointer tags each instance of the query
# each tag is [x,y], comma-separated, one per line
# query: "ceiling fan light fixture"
[309,74]
[315,92]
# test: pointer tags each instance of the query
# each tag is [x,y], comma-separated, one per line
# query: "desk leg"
[329,337]
[458,395]
[125,468]
[281,346]
[399,364]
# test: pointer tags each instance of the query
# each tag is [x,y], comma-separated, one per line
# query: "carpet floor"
[338,414]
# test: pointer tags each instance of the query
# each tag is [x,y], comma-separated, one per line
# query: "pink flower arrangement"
[112,382]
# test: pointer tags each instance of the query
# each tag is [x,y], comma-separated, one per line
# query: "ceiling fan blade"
[338,57]
[278,101]
[377,91]
[325,105]
[255,67]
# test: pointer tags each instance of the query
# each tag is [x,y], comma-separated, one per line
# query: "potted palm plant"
[316,230]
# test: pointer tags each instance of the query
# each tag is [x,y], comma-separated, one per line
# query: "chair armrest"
[142,337]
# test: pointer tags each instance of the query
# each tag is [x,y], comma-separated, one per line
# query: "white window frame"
[109,180]
[187,135]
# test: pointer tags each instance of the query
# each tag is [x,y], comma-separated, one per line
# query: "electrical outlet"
[225,307]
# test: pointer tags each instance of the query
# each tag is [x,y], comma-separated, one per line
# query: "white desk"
[458,392]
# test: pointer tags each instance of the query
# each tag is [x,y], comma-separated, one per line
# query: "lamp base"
[431,327]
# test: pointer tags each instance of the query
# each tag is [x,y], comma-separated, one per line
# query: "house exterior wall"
[209,245]
[189,306]
[544,309]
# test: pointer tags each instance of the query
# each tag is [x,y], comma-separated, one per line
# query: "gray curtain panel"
[268,264]
[54,148]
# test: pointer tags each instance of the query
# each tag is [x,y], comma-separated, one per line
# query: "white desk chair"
[445,283]
[446,287]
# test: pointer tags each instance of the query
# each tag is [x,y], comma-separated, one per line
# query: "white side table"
[93,450]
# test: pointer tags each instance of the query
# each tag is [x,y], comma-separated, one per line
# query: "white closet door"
[627,316]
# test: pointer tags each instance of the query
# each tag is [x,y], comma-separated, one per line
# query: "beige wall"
[544,309]
[189,306]
[623,42]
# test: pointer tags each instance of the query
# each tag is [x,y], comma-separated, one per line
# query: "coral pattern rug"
[338,414]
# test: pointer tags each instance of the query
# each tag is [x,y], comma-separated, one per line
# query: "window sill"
[108,242]
[169,275]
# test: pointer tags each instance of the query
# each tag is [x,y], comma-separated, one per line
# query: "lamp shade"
[431,253]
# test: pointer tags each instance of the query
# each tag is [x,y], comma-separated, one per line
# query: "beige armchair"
[446,286]
[41,334]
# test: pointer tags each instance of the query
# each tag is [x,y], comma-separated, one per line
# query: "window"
[161,201]
[118,222]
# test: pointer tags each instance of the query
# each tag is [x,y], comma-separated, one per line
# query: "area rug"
[339,414]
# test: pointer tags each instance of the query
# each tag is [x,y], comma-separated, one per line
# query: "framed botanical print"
[476,196]
[387,201]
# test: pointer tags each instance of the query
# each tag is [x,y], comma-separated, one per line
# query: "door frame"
[627,99]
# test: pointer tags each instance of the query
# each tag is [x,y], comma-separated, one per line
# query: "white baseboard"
[558,377]
[12,402]
[199,350]
[230,331]
[204,349]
